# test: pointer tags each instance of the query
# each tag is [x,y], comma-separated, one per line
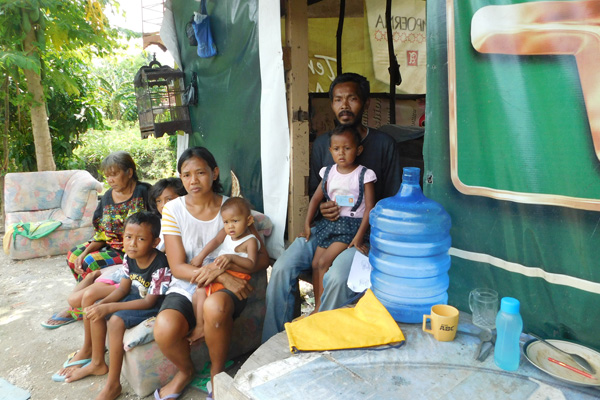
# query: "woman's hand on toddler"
[223,261]
[196,275]
[240,287]
[207,274]
[96,311]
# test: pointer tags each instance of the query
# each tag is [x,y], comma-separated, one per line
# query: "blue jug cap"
[510,305]
[411,175]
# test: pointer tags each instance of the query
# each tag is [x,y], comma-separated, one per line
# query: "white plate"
[537,353]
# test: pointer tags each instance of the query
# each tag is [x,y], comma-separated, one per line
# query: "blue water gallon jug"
[410,238]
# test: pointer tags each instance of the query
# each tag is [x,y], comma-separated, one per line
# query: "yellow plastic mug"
[444,322]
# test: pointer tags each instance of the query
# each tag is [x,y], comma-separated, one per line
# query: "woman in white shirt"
[188,224]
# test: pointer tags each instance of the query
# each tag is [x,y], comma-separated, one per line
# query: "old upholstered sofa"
[69,197]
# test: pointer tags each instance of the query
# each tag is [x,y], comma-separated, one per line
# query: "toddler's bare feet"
[109,392]
[88,370]
[196,334]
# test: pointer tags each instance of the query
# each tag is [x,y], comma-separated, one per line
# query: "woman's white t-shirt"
[194,233]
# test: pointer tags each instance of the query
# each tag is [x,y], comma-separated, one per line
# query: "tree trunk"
[39,117]
[4,163]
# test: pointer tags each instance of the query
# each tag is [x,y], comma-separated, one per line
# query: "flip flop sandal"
[70,356]
[58,378]
[63,321]
[61,378]
[68,364]
[171,396]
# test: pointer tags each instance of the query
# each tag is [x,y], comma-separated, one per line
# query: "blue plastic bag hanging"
[201,24]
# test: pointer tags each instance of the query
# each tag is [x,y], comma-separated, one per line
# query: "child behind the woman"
[163,191]
[239,248]
[351,186]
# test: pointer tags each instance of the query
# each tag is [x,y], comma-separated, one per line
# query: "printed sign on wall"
[409,36]
[512,155]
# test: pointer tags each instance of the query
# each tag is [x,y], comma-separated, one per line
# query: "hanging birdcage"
[161,109]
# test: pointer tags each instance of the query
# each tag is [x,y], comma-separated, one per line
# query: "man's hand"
[330,210]
[360,246]
[196,275]
[305,233]
[238,286]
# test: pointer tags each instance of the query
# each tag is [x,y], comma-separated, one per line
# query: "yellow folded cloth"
[368,324]
[8,238]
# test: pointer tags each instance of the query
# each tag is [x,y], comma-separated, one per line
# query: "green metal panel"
[227,117]
[521,113]
[521,126]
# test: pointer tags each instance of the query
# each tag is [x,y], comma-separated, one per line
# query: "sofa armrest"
[263,224]
[80,192]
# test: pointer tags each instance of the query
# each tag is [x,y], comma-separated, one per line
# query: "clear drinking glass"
[483,303]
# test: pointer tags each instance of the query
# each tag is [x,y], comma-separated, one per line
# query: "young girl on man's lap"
[239,248]
[351,186]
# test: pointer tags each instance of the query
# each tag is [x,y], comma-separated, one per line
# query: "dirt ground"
[31,291]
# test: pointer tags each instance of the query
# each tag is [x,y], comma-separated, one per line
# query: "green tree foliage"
[116,93]
[155,158]
[51,42]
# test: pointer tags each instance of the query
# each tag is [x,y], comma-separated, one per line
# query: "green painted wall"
[227,117]
[521,126]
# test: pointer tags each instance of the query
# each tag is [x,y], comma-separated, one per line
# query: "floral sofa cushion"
[66,196]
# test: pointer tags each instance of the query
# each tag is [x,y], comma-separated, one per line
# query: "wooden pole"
[296,39]
[338,36]
[394,68]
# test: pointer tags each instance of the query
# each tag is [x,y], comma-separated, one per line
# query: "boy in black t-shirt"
[139,296]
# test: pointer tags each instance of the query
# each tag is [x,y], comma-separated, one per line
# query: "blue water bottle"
[410,238]
[509,326]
